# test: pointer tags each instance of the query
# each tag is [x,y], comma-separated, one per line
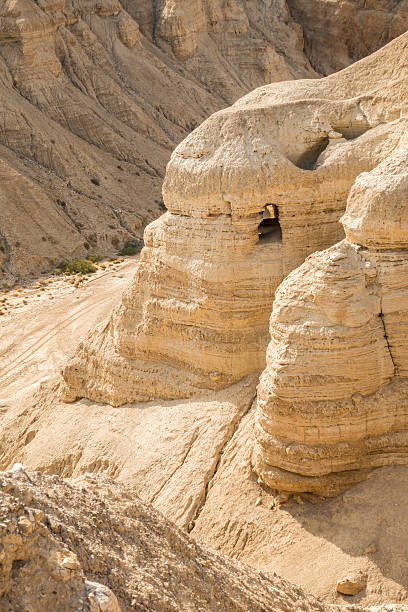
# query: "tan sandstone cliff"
[250,194]
[339,33]
[332,400]
[96,95]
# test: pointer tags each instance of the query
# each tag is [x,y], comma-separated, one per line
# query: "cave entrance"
[269,229]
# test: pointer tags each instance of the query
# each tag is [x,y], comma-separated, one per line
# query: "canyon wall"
[337,34]
[96,95]
[250,194]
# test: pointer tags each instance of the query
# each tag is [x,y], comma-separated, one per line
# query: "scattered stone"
[351,585]
[371,549]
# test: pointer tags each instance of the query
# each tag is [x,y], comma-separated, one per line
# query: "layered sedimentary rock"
[250,194]
[339,33]
[92,106]
[332,401]
[95,96]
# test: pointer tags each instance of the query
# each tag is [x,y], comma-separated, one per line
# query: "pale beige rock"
[339,33]
[250,193]
[332,400]
[105,90]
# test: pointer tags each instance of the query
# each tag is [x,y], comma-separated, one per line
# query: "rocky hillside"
[96,94]
[339,33]
[54,530]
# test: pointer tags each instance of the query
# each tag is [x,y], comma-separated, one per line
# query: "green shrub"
[76,266]
[94,257]
[131,247]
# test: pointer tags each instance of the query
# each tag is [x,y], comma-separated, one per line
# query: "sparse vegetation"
[75,266]
[94,257]
[131,247]
[95,181]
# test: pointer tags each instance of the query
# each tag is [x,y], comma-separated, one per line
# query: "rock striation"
[250,194]
[338,34]
[332,400]
[96,94]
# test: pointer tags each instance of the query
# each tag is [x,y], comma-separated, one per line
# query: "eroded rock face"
[332,400]
[250,194]
[337,34]
[92,106]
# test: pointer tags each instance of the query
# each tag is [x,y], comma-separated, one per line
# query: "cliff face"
[332,400]
[339,33]
[250,194]
[96,95]
[92,105]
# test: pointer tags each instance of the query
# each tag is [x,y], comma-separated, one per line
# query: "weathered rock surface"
[169,451]
[38,571]
[95,96]
[92,105]
[144,558]
[250,194]
[351,585]
[332,400]
[339,33]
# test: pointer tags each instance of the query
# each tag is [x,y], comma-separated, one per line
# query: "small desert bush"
[94,257]
[131,247]
[75,266]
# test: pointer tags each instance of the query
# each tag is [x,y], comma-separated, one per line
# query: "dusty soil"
[42,321]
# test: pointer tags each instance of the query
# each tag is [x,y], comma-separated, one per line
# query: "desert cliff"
[250,194]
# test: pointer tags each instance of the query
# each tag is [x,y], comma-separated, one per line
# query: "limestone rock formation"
[332,400]
[149,563]
[96,94]
[339,33]
[92,105]
[37,571]
[250,194]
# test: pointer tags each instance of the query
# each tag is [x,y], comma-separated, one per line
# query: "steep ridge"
[250,194]
[92,106]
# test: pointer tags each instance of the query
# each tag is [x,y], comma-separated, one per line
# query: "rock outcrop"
[332,402]
[92,106]
[250,194]
[38,572]
[96,94]
[149,563]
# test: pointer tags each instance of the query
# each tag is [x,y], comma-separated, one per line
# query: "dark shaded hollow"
[269,230]
[308,159]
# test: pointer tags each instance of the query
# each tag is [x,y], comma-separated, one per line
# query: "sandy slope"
[36,338]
